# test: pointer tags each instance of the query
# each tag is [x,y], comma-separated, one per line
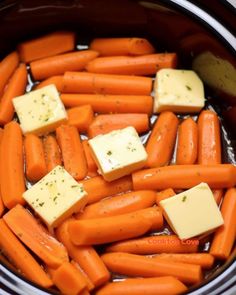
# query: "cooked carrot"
[185,176]
[47,45]
[209,144]
[89,284]
[187,142]
[97,188]
[154,245]
[148,286]
[161,142]
[103,124]
[56,80]
[11,166]
[108,229]
[105,103]
[165,194]
[92,166]
[137,265]
[34,157]
[59,64]
[72,151]
[15,87]
[80,117]
[122,46]
[90,83]
[218,194]
[35,236]
[224,236]
[85,256]
[52,152]
[126,65]
[2,207]
[121,204]
[7,68]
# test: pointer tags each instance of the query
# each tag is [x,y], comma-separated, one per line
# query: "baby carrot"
[72,151]
[52,152]
[59,64]
[21,257]
[56,80]
[218,194]
[92,166]
[148,286]
[103,124]
[162,195]
[154,215]
[34,158]
[122,46]
[161,142]
[2,207]
[187,142]
[224,236]
[80,117]
[89,284]
[75,82]
[11,166]
[185,176]
[106,103]
[16,87]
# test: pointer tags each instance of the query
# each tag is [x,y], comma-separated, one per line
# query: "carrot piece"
[97,188]
[108,229]
[165,194]
[52,152]
[187,142]
[34,157]
[205,260]
[59,64]
[85,256]
[209,145]
[154,245]
[15,87]
[121,204]
[161,142]
[11,166]
[185,176]
[7,68]
[103,124]
[89,284]
[35,236]
[137,265]
[80,117]
[126,65]
[90,83]
[218,195]
[56,80]
[72,151]
[224,236]
[2,207]
[47,45]
[92,166]
[105,103]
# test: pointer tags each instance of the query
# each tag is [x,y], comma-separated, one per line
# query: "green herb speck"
[109,153]
[188,87]
[184,198]
[41,204]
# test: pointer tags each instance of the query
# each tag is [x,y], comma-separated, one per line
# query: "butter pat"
[193,212]
[179,91]
[118,153]
[56,196]
[40,111]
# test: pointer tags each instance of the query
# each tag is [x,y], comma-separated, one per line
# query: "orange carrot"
[209,145]
[16,87]
[218,194]
[224,236]
[187,142]
[161,142]
[90,83]
[97,188]
[165,194]
[2,207]
[52,152]
[122,46]
[34,157]
[59,64]
[126,65]
[56,80]
[80,117]
[154,215]
[148,286]
[47,45]
[137,265]
[85,256]
[35,236]
[121,204]
[154,245]
[105,103]
[72,151]
[103,124]
[7,68]
[92,166]
[11,166]
[185,176]
[89,284]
